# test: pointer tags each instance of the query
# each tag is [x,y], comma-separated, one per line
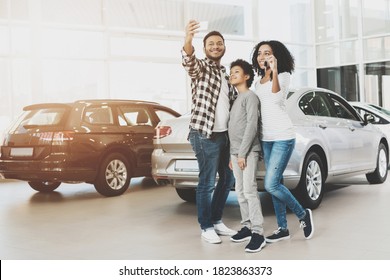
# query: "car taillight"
[61,138]
[54,138]
[162,131]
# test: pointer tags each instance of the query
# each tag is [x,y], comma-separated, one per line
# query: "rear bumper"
[44,171]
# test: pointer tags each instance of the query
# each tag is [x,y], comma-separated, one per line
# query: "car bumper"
[44,171]
[167,170]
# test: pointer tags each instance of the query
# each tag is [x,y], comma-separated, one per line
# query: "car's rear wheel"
[188,195]
[114,175]
[44,186]
[310,189]
[380,173]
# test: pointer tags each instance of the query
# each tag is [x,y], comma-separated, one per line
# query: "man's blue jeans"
[213,157]
[276,156]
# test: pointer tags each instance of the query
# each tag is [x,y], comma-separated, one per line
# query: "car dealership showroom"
[86,174]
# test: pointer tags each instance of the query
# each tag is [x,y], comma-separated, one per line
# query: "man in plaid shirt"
[212,97]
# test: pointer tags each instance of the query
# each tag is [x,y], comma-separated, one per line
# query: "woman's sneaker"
[307,224]
[242,235]
[256,244]
[278,235]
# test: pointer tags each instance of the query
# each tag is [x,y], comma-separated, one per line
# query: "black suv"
[102,142]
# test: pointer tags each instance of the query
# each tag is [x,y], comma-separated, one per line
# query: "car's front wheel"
[310,189]
[45,187]
[188,195]
[114,175]
[380,173]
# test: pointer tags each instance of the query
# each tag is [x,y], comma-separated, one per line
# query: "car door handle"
[322,126]
[351,128]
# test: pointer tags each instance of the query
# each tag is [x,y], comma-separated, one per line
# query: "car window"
[99,115]
[341,110]
[378,119]
[40,117]
[315,104]
[136,116]
[164,115]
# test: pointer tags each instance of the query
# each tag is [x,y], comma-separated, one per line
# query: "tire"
[188,195]
[380,173]
[310,190]
[44,187]
[114,175]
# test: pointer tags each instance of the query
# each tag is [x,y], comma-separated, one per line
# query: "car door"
[140,132]
[328,128]
[358,135]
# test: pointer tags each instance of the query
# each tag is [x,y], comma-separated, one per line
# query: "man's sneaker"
[307,224]
[256,244]
[278,235]
[221,229]
[242,235]
[210,236]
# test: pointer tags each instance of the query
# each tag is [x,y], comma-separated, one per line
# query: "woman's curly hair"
[285,59]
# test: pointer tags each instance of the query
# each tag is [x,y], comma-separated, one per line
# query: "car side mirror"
[368,118]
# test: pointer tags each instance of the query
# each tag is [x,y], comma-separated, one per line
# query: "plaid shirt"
[206,85]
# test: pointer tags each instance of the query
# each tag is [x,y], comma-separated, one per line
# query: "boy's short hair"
[212,33]
[247,68]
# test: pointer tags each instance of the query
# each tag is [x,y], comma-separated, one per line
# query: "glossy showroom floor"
[152,222]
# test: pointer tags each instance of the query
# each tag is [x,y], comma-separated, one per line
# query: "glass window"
[227,18]
[326,16]
[86,12]
[328,54]
[99,115]
[69,80]
[377,48]
[377,83]
[20,9]
[159,15]
[72,43]
[294,17]
[376,17]
[4,8]
[164,83]
[21,40]
[343,80]
[341,110]
[349,52]
[136,116]
[4,39]
[315,104]
[336,19]
[141,47]
[21,83]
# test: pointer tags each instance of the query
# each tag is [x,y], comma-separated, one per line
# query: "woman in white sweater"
[274,64]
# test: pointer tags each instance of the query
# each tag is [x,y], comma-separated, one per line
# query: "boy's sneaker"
[307,224]
[221,229]
[278,235]
[209,235]
[242,235]
[256,244]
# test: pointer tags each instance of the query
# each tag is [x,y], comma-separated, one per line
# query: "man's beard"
[218,58]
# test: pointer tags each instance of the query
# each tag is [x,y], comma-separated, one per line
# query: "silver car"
[332,142]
